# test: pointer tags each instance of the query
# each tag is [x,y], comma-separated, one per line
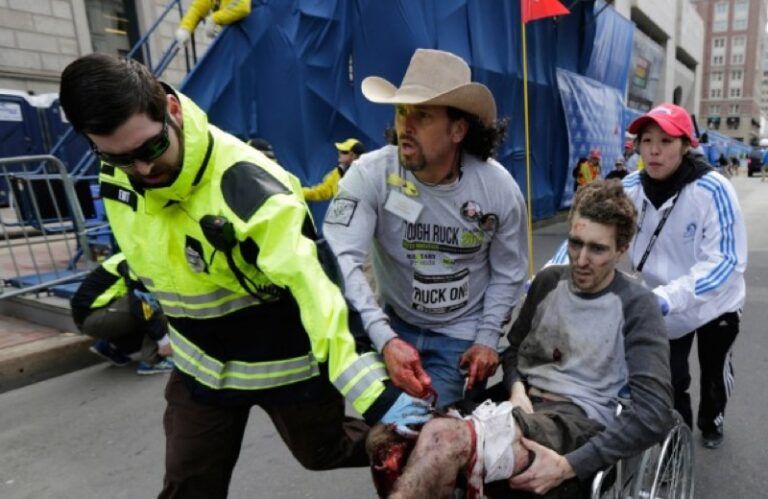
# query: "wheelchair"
[663,471]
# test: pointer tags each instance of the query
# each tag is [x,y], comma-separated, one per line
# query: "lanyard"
[656,232]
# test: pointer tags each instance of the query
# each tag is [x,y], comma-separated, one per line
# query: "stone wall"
[38,38]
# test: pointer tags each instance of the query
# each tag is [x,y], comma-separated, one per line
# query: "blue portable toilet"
[56,126]
[20,131]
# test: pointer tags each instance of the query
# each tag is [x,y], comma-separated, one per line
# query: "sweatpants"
[715,340]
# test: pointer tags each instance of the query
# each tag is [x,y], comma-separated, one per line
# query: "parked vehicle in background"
[755,161]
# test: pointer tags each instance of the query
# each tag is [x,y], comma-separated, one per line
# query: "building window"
[718,60]
[737,75]
[734,109]
[720,19]
[737,49]
[715,93]
[113,25]
[718,43]
[735,92]
[740,12]
[714,110]
[721,9]
[716,76]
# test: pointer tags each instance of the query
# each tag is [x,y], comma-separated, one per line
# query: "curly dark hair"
[605,202]
[100,92]
[481,140]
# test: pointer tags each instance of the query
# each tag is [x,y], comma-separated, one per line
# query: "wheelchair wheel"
[666,470]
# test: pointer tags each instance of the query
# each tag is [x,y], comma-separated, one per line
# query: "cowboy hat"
[435,78]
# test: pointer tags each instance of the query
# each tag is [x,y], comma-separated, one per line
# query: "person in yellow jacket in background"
[587,170]
[349,150]
[224,12]
[223,239]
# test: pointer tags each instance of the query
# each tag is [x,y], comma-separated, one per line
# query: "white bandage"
[495,429]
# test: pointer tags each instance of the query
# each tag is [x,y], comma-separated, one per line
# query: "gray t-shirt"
[586,347]
[456,268]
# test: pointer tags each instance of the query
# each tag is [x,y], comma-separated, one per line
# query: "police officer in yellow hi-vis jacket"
[222,238]
[349,150]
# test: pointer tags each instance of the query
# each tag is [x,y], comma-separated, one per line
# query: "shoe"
[712,439]
[109,352]
[164,365]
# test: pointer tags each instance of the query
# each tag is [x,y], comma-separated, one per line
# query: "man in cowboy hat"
[448,226]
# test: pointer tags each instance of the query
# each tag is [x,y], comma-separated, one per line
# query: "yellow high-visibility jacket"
[224,12]
[227,342]
[587,173]
[326,189]
[105,284]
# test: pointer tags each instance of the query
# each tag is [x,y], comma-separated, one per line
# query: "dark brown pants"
[203,441]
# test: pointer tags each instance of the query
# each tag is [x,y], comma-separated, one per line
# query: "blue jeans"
[440,357]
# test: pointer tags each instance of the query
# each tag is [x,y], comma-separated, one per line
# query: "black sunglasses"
[150,150]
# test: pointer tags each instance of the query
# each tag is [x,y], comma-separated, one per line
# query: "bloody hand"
[481,362]
[405,370]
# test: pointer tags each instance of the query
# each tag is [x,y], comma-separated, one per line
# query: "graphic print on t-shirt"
[440,294]
[443,238]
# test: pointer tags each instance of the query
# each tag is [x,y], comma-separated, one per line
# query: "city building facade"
[38,38]
[733,62]
[667,53]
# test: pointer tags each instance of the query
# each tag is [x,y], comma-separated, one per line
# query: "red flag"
[530,10]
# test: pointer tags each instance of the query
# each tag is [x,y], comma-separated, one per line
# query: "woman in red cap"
[691,250]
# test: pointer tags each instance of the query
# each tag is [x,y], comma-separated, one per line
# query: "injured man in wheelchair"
[585,332]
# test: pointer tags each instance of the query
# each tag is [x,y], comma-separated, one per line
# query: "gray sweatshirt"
[456,267]
[586,347]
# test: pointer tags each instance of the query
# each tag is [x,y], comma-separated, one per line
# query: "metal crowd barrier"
[50,225]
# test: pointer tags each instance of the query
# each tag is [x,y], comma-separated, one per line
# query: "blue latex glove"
[663,305]
[407,411]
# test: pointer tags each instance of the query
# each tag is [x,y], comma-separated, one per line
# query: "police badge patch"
[341,211]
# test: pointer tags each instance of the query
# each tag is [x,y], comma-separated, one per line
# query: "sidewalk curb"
[45,358]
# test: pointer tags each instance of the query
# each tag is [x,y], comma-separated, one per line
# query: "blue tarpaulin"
[583,100]
[612,49]
[722,144]
[291,73]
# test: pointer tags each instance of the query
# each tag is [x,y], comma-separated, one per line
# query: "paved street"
[98,432]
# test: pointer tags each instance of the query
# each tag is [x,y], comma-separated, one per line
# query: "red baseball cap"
[674,120]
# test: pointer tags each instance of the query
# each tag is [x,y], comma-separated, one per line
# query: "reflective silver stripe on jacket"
[359,365]
[239,375]
[368,361]
[175,304]
[194,299]
[371,377]
[212,311]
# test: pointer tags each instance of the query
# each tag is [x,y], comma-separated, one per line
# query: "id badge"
[402,206]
